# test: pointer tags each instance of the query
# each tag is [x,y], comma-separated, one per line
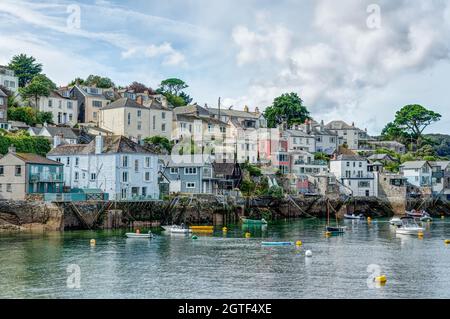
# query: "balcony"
[312,163]
[46,178]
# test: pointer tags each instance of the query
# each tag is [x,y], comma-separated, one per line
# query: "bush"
[25,144]
[29,115]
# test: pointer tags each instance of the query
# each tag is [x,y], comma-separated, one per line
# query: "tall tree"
[76,81]
[414,119]
[25,67]
[39,86]
[140,88]
[99,81]
[286,108]
[173,86]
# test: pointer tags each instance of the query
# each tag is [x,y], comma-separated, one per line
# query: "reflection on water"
[228,265]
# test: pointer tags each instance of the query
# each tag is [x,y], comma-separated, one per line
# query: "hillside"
[441,144]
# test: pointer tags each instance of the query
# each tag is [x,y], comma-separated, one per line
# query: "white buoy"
[308,253]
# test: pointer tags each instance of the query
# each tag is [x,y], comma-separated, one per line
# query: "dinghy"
[139,235]
[276,243]
[395,221]
[247,221]
[334,230]
[175,229]
[409,227]
[354,217]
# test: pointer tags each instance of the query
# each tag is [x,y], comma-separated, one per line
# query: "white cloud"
[170,56]
[334,71]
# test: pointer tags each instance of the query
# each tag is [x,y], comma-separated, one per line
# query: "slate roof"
[413,164]
[346,157]
[225,169]
[2,94]
[379,157]
[30,158]
[340,125]
[124,102]
[234,113]
[111,145]
[66,132]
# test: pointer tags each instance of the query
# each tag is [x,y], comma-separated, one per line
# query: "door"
[175,187]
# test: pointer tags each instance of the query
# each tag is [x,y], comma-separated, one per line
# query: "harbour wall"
[45,216]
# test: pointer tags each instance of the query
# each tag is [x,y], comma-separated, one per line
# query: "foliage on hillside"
[29,115]
[24,143]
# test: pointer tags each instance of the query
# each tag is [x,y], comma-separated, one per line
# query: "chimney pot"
[12,149]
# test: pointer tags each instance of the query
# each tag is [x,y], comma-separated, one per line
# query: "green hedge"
[25,144]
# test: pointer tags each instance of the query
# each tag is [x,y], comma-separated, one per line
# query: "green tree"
[29,115]
[286,108]
[392,132]
[176,101]
[160,142]
[248,187]
[414,119]
[99,81]
[25,67]
[173,86]
[39,86]
[186,98]
[76,81]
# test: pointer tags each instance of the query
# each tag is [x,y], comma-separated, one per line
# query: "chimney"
[353,124]
[57,140]
[98,144]
[257,110]
[139,100]
[246,108]
[12,149]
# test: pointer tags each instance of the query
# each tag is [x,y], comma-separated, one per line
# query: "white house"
[326,141]
[8,79]
[348,135]
[63,108]
[300,141]
[441,178]
[418,173]
[352,174]
[115,164]
[303,163]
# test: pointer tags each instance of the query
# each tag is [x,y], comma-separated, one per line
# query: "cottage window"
[50,103]
[2,101]
[125,177]
[163,127]
[97,104]
[139,126]
[190,171]
[147,162]
[124,161]
[136,166]
[93,176]
[68,161]
[154,122]
[69,104]
[58,159]
[139,113]
[190,185]
[9,188]
[124,193]
[129,119]
[77,161]
[147,176]
[1,188]
[163,115]
[18,170]
[173,170]
[77,176]
[2,170]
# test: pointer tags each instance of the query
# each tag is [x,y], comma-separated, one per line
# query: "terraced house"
[8,79]
[24,175]
[114,164]
[63,107]
[90,101]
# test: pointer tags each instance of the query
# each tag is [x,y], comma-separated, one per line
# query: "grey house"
[191,174]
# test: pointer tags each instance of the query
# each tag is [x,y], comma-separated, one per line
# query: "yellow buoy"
[328,234]
[224,229]
[248,235]
[420,234]
[93,242]
[381,279]
[442,217]
[447,241]
[369,219]
[298,243]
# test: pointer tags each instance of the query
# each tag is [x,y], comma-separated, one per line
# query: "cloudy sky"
[344,60]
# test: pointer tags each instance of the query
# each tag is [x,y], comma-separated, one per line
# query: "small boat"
[336,229]
[202,228]
[139,235]
[414,213]
[426,217]
[175,229]
[276,243]
[354,217]
[247,221]
[395,221]
[409,227]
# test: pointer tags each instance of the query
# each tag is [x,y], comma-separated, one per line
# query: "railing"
[314,163]
[46,177]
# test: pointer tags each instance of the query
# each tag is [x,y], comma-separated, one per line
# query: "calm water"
[35,266]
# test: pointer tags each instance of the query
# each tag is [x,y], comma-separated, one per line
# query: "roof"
[224,168]
[234,113]
[192,117]
[2,94]
[441,164]
[379,157]
[413,164]
[65,132]
[99,95]
[35,159]
[298,133]
[340,125]
[194,109]
[124,102]
[346,157]
[111,145]
[390,143]
[35,130]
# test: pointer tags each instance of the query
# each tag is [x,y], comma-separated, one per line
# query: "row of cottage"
[117,168]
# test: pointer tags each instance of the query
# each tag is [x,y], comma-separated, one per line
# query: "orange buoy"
[138,231]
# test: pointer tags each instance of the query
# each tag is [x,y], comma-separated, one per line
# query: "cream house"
[63,108]
[90,102]
[136,121]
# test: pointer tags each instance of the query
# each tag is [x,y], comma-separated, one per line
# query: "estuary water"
[229,265]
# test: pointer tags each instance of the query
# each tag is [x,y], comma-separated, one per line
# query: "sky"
[353,60]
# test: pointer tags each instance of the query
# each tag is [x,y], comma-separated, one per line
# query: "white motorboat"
[354,217]
[139,235]
[409,227]
[395,221]
[175,229]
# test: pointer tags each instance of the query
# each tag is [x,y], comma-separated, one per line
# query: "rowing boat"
[247,221]
[276,243]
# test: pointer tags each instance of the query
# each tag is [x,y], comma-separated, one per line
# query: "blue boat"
[276,243]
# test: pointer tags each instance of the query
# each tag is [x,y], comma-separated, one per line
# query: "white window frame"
[190,171]
[192,187]
[174,170]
